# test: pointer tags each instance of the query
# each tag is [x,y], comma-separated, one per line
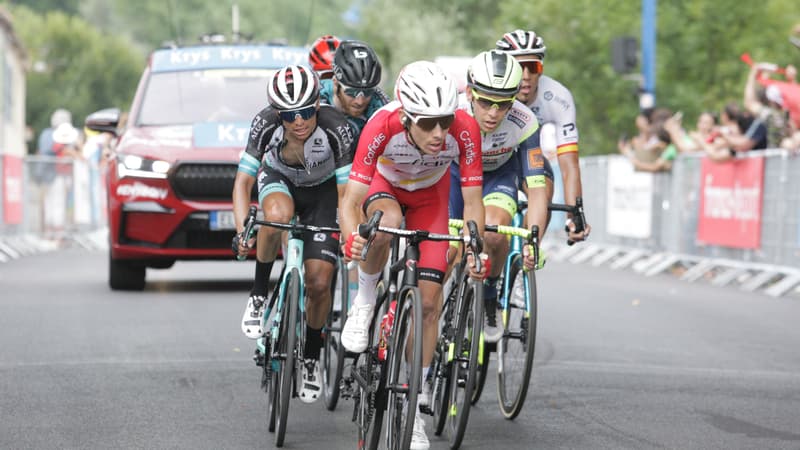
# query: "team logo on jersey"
[535,158]
[319,237]
[548,95]
[468,145]
[372,148]
[317,141]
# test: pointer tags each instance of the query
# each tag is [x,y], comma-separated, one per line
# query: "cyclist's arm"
[350,210]
[260,131]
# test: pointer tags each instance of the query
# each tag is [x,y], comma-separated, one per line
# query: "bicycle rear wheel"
[404,376]
[287,343]
[464,366]
[332,355]
[515,349]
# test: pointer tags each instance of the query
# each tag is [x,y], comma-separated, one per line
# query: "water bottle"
[386,330]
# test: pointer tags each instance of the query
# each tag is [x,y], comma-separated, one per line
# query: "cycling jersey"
[518,132]
[328,151]
[376,102]
[499,145]
[395,168]
[384,147]
[554,104]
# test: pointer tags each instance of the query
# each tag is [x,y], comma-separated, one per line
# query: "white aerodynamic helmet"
[424,89]
[293,87]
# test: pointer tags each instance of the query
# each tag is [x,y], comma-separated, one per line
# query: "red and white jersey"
[384,146]
[554,104]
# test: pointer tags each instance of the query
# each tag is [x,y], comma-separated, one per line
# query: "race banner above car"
[227,57]
[730,203]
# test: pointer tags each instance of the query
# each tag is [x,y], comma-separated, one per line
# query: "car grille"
[204,181]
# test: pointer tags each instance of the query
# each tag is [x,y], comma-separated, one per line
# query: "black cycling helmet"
[355,64]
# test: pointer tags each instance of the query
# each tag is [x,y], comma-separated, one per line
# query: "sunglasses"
[489,103]
[355,92]
[428,123]
[533,66]
[304,113]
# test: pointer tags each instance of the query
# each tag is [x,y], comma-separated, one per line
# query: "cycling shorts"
[424,209]
[313,205]
[499,189]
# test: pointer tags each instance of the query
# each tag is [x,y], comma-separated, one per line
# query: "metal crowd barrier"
[56,202]
[652,222]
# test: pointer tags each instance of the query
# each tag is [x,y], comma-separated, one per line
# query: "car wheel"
[125,275]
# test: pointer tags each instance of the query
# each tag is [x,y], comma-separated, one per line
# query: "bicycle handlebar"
[369,229]
[251,221]
[531,236]
[577,215]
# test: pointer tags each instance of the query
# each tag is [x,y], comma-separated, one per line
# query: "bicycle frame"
[293,258]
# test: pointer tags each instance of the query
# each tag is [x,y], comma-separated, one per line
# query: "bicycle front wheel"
[516,348]
[464,360]
[286,347]
[332,355]
[371,402]
[404,370]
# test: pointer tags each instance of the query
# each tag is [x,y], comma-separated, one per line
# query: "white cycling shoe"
[419,440]
[251,320]
[312,381]
[355,334]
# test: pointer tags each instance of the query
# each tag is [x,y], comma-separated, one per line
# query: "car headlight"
[136,166]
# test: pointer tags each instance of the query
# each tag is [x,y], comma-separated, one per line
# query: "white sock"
[425,371]
[366,288]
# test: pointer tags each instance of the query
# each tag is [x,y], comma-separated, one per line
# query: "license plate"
[221,220]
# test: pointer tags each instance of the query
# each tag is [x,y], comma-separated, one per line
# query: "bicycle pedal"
[258,357]
[426,409]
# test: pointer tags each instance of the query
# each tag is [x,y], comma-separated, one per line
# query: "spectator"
[652,149]
[739,132]
[789,88]
[767,107]
[691,141]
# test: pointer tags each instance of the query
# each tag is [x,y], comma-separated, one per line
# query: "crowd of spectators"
[767,117]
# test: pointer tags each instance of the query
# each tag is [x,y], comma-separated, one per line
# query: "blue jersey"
[375,103]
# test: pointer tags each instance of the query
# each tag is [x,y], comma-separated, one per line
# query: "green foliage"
[699,43]
[73,66]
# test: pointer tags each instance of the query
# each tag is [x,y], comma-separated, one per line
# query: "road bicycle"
[280,351]
[385,379]
[459,348]
[518,311]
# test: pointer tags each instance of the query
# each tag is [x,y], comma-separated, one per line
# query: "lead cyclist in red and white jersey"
[552,103]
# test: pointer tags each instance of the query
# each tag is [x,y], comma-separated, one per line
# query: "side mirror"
[104,121]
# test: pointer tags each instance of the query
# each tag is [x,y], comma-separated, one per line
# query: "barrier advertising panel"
[630,200]
[12,189]
[730,203]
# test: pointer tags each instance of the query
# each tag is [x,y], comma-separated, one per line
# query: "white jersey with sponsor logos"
[384,146]
[499,145]
[554,104]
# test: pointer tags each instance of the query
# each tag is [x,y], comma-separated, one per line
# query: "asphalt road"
[622,362]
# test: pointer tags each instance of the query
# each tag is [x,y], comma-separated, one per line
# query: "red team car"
[171,175]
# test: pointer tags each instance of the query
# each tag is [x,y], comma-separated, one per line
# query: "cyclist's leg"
[500,191]
[277,204]
[315,206]
[356,329]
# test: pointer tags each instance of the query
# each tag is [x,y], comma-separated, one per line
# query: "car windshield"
[221,95]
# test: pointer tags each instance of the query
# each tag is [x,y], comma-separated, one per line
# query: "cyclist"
[354,89]
[510,146]
[307,151]
[552,103]
[400,168]
[321,54]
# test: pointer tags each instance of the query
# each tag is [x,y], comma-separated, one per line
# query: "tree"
[74,66]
